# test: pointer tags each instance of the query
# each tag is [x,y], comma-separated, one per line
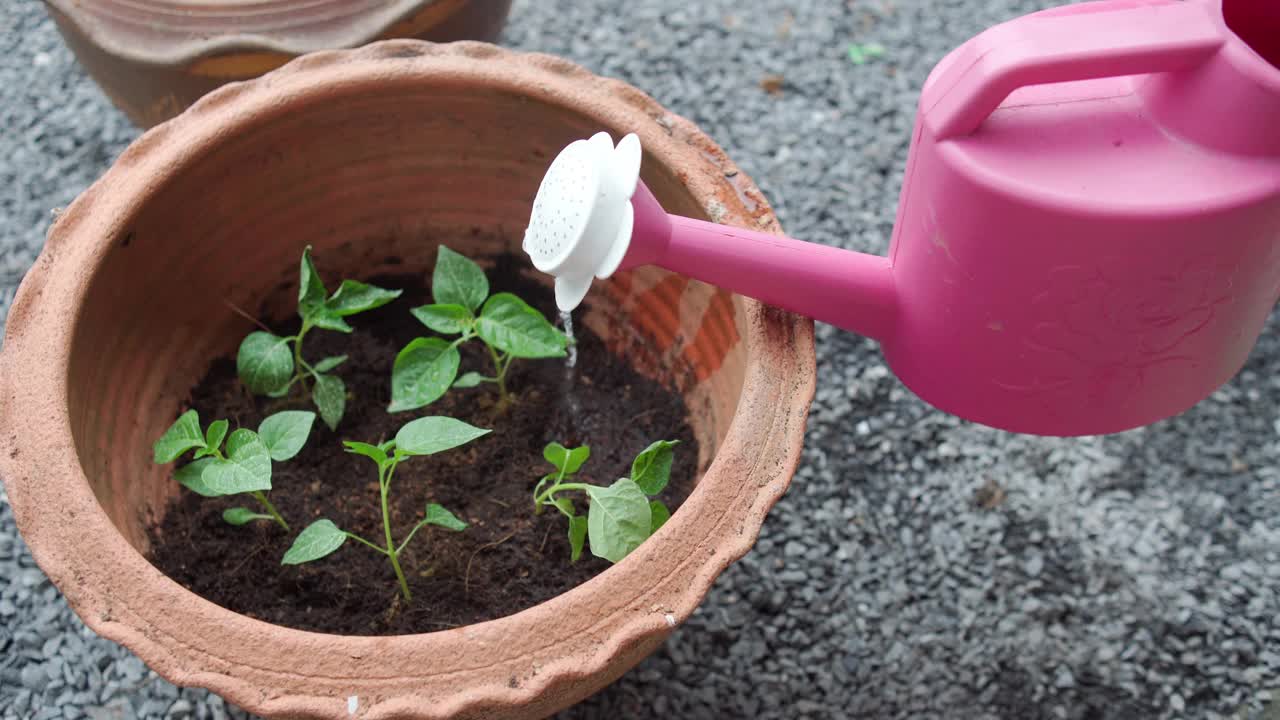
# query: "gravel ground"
[919,566]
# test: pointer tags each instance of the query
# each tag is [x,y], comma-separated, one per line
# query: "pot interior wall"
[370,177]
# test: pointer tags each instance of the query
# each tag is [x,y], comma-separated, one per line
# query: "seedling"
[621,516]
[424,436]
[243,465]
[427,367]
[270,365]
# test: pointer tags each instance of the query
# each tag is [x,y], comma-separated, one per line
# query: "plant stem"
[500,371]
[385,485]
[412,532]
[560,486]
[298,363]
[262,498]
[357,538]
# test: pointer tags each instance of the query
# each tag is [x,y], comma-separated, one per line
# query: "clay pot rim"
[349,24]
[779,376]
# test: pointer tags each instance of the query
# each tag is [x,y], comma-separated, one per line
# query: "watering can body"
[1088,237]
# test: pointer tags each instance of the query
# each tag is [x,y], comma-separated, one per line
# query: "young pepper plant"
[424,436]
[269,364]
[620,516]
[243,465]
[509,328]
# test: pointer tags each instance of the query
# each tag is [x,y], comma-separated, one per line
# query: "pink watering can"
[1088,237]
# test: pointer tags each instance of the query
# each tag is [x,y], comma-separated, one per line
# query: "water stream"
[566,319]
[570,373]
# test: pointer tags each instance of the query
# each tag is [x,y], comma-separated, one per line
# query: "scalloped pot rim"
[180,46]
[568,655]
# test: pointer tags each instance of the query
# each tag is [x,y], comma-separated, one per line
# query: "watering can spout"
[592,216]
[851,290]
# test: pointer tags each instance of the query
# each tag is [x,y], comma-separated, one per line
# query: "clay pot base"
[508,560]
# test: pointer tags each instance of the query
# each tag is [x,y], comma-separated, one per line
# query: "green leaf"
[564,505]
[181,436]
[264,362]
[241,516]
[444,319]
[330,397]
[311,290]
[619,519]
[286,432]
[509,324]
[422,372]
[329,363]
[437,515]
[356,297]
[458,281]
[469,380]
[566,460]
[430,435]
[191,476]
[652,467]
[660,514]
[322,317]
[215,434]
[247,467]
[320,538]
[373,452]
[577,534]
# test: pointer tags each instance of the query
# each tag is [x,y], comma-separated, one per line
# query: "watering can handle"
[1075,43]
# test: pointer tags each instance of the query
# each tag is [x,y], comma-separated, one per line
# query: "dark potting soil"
[508,559]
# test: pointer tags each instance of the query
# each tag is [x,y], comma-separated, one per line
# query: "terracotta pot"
[154,58]
[372,155]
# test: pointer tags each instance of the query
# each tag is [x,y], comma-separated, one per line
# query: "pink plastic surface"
[1088,238]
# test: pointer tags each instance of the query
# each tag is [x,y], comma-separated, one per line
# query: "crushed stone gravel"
[920,566]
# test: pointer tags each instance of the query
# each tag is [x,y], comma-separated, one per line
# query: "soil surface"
[508,559]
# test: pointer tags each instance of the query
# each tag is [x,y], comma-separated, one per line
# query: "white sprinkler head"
[582,217]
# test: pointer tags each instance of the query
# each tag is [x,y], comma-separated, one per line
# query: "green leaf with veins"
[660,515]
[322,317]
[651,469]
[213,437]
[437,515]
[241,516]
[469,380]
[246,468]
[329,363]
[577,535]
[284,433]
[564,459]
[356,297]
[183,435]
[319,539]
[373,452]
[457,280]
[264,362]
[619,519]
[444,319]
[512,326]
[430,435]
[422,373]
[191,476]
[330,397]
[311,289]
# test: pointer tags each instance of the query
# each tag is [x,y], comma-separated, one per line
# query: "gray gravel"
[919,566]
